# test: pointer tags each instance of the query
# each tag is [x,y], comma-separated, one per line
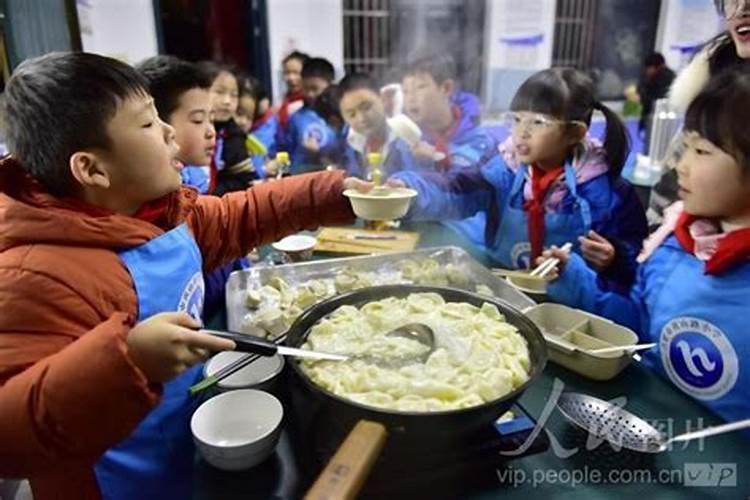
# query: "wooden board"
[355,241]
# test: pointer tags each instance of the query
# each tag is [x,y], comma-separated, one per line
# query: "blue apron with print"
[156,460]
[512,248]
[700,324]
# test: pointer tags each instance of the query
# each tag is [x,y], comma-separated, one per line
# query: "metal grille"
[367,36]
[574,33]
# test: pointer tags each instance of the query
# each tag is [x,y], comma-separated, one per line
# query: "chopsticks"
[229,370]
[549,264]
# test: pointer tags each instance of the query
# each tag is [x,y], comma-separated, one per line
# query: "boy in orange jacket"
[102,254]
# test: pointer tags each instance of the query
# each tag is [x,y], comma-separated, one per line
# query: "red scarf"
[154,211]
[262,120]
[733,249]
[442,141]
[541,181]
[284,110]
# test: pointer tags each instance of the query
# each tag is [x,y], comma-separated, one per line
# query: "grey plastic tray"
[385,268]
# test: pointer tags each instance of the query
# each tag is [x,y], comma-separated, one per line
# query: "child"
[232,169]
[308,134]
[692,294]
[364,113]
[295,97]
[563,189]
[99,249]
[449,118]
[256,118]
[450,121]
[181,96]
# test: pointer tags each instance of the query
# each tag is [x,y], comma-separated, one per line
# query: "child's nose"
[169,132]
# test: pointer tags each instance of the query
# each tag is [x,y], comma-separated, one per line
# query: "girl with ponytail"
[551,184]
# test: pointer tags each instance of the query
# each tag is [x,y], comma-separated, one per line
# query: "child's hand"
[561,254]
[167,344]
[358,184]
[311,144]
[272,168]
[424,151]
[597,250]
[394,182]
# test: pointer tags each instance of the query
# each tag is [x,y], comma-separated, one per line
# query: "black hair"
[717,114]
[568,94]
[356,81]
[249,85]
[295,54]
[654,59]
[213,69]
[168,78]
[61,103]
[722,53]
[318,67]
[327,106]
[440,67]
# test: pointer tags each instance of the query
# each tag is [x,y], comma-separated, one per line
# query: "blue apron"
[156,461]
[512,248]
[700,324]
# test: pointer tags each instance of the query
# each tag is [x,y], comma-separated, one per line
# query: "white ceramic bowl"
[385,204]
[297,247]
[237,429]
[534,287]
[259,374]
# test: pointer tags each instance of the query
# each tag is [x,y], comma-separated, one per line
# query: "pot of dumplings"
[485,354]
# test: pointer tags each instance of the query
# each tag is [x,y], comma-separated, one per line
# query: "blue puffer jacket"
[614,211]
[397,156]
[697,321]
[304,124]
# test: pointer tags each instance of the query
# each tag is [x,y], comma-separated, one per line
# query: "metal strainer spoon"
[413,331]
[621,428]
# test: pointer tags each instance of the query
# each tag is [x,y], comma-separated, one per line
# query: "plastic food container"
[571,333]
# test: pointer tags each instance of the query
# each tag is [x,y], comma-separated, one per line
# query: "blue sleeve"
[578,287]
[447,196]
[624,225]
[267,134]
[197,177]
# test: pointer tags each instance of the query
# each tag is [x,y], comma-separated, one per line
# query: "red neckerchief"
[733,249]
[153,211]
[442,141]
[374,145]
[259,122]
[299,95]
[541,180]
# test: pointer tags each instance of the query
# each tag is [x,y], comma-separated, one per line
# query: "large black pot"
[441,426]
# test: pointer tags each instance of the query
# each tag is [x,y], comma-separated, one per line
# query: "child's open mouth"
[743,32]
[523,149]
[177,164]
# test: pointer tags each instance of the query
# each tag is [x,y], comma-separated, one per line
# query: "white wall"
[519,37]
[123,29]
[315,27]
[684,25]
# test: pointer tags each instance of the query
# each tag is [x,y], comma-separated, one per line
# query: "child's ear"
[448,86]
[88,170]
[577,133]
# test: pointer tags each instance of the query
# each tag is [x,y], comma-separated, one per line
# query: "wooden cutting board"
[363,241]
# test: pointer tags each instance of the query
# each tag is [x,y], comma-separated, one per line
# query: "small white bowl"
[259,374]
[237,429]
[298,247]
[534,287]
[385,204]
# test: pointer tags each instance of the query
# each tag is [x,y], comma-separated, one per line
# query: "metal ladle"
[621,428]
[418,332]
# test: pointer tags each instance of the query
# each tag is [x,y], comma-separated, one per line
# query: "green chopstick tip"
[203,385]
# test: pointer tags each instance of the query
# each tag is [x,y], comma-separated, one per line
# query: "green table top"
[718,467]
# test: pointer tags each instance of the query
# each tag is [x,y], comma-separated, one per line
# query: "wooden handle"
[347,471]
